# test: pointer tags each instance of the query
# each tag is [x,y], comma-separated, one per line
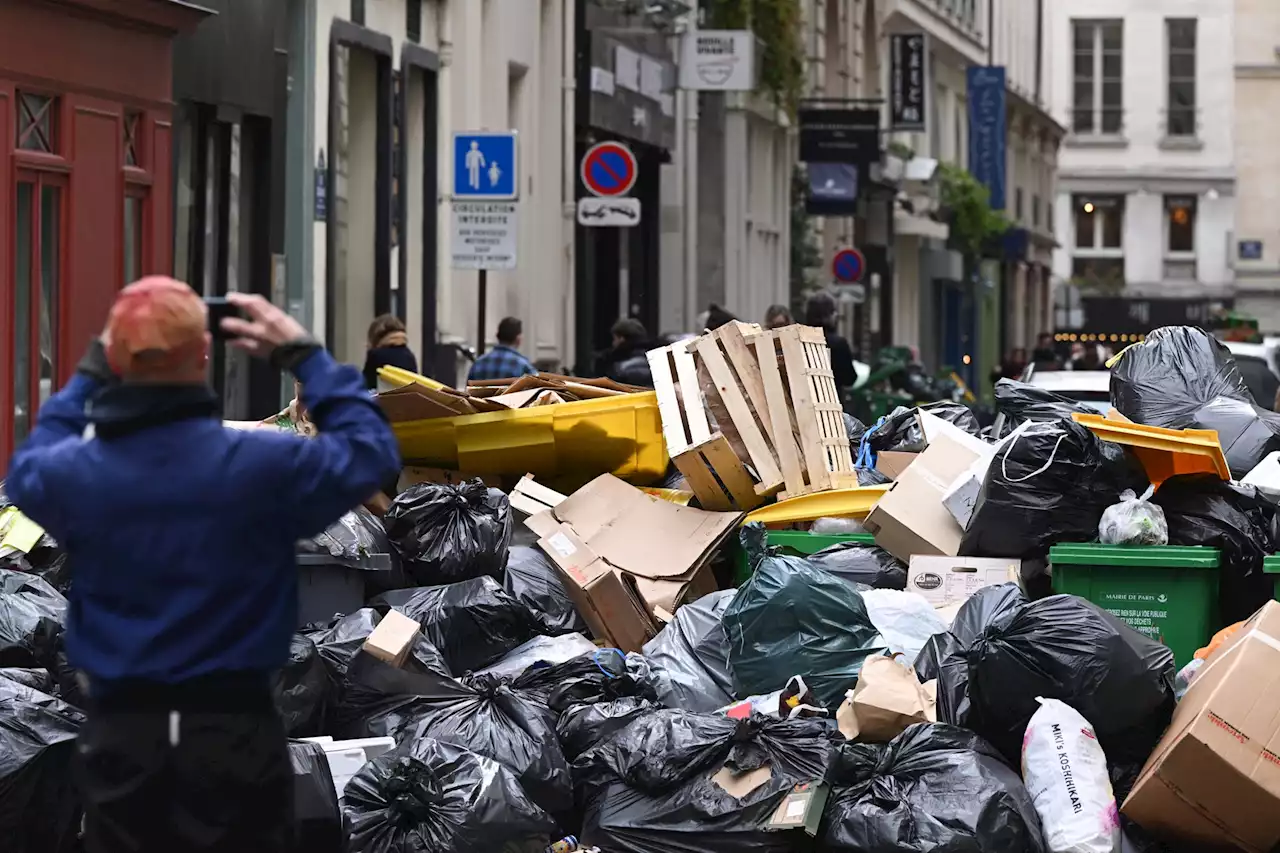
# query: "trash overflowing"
[725,615]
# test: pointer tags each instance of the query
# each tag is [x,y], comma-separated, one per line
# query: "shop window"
[37,123]
[38,233]
[1180,224]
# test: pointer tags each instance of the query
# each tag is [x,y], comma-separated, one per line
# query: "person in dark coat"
[626,361]
[388,345]
[821,311]
[180,536]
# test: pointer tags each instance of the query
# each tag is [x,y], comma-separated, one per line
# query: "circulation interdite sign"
[609,170]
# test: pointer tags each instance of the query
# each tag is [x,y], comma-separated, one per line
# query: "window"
[1017,204]
[1181,120]
[1180,218]
[37,123]
[1098,93]
[1099,222]
[357,12]
[38,229]
[413,20]
[133,231]
[133,139]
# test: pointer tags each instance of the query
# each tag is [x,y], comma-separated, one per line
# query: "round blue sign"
[848,266]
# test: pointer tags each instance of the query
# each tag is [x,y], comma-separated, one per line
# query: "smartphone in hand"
[220,308]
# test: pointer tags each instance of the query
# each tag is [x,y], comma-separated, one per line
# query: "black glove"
[94,363]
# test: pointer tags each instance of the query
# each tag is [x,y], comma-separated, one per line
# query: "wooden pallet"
[804,403]
[715,474]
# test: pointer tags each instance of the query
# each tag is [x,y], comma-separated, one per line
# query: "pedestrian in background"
[717,317]
[505,360]
[821,311]
[180,535]
[1044,356]
[777,316]
[625,361]
[387,345]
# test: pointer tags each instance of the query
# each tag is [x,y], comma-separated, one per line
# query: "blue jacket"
[180,532]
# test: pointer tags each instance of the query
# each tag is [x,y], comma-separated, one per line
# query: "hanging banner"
[987,128]
[907,82]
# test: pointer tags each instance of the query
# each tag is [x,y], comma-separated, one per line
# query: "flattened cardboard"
[944,581]
[910,518]
[738,785]
[1214,780]
[419,403]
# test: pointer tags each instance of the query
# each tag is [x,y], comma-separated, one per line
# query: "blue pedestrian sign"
[848,266]
[485,166]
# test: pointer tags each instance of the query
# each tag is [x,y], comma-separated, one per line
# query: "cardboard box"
[944,581]
[910,519]
[625,555]
[935,427]
[392,639]
[961,497]
[892,463]
[1214,780]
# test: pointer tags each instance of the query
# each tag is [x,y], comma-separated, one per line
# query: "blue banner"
[987,128]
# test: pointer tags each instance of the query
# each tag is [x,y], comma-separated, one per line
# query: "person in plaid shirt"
[503,361]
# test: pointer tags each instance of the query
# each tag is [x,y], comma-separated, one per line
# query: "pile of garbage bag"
[690,657]
[39,803]
[862,564]
[444,534]
[535,582]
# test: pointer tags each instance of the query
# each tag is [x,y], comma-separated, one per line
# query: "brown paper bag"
[889,698]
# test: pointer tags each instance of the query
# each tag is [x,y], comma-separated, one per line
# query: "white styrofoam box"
[961,497]
[1265,476]
[346,757]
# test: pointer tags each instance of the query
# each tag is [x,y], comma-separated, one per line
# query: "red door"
[39,230]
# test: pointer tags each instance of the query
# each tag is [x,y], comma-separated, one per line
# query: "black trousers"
[164,781]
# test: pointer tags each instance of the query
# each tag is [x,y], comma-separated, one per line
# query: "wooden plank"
[748,369]
[673,428]
[780,414]
[743,418]
[720,458]
[802,400]
[695,412]
[703,485]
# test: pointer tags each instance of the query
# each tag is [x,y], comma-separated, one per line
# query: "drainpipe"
[1039,49]
[691,198]
[444,148]
[569,188]
[991,32]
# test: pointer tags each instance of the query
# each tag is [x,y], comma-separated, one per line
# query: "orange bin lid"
[1164,453]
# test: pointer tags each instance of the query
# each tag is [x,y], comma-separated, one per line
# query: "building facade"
[86,127]
[1255,251]
[1146,184]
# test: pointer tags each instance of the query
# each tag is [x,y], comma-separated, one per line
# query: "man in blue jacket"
[180,537]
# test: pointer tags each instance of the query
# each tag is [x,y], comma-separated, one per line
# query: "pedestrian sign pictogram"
[848,266]
[485,166]
[609,170]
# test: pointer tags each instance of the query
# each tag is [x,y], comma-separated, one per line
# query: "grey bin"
[326,588]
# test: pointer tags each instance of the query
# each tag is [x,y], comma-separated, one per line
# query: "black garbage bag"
[534,581]
[689,658]
[650,788]
[302,688]
[854,428]
[39,804]
[45,559]
[1020,401]
[340,641]
[481,713]
[957,414]
[601,676]
[583,726]
[898,431]
[1047,485]
[36,679]
[1061,647]
[428,796]
[32,614]
[1247,432]
[350,541]
[316,815]
[793,618]
[1164,380]
[871,476]
[1239,521]
[859,563]
[446,534]
[934,787]
[472,623]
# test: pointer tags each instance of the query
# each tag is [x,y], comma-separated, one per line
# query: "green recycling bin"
[1168,592]
[796,542]
[1271,566]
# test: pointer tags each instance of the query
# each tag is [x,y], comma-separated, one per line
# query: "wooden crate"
[804,404]
[715,473]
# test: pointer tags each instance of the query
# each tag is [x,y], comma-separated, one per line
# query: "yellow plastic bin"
[567,444]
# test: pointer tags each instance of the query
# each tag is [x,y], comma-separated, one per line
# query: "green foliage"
[974,225]
[805,256]
[777,24]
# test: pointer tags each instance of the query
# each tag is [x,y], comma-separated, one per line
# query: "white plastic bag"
[1134,521]
[1065,772]
[904,619]
[829,526]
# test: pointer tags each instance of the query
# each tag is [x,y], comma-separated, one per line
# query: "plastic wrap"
[956,414]
[650,787]
[427,796]
[1247,432]
[793,618]
[473,623]
[447,534]
[39,804]
[1049,484]
[904,619]
[859,563]
[932,788]
[899,431]
[534,581]
[601,676]
[1020,402]
[32,614]
[689,658]
[1134,521]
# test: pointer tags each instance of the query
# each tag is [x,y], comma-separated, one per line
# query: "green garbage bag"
[793,618]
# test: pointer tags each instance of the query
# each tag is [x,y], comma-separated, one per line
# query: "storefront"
[85,178]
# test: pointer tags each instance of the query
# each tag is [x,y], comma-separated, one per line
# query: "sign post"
[486,186]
